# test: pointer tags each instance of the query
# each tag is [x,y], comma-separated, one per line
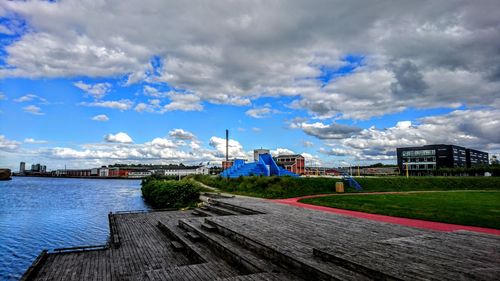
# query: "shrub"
[162,193]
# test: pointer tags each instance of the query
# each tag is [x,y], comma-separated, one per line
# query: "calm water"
[48,213]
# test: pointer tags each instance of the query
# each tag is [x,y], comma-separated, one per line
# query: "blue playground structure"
[351,181]
[266,166]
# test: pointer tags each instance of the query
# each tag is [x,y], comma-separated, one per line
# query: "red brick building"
[294,163]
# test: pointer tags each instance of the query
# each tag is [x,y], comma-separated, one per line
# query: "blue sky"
[114,83]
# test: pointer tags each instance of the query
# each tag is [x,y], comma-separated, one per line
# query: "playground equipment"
[351,181]
[266,166]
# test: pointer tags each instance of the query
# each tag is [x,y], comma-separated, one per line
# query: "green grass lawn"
[475,208]
[380,184]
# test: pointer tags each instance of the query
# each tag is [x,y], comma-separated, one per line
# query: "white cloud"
[5,30]
[34,141]
[181,134]
[264,112]
[258,112]
[183,102]
[153,92]
[164,143]
[33,109]
[478,129]
[2,96]
[153,106]
[323,131]
[98,90]
[256,129]
[100,118]
[8,145]
[281,151]
[307,143]
[235,148]
[31,97]
[119,137]
[123,104]
[245,50]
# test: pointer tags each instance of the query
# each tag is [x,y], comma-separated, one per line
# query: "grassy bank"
[271,187]
[167,193]
[473,208]
[286,187]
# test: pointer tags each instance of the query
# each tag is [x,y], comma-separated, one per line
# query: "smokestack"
[227,145]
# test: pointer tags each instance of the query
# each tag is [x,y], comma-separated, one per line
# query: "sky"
[94,82]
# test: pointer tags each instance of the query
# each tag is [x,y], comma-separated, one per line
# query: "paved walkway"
[382,218]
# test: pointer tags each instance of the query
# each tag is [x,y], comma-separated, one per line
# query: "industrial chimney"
[227,145]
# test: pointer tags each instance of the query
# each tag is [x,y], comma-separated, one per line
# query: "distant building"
[139,174]
[214,170]
[227,164]
[422,160]
[294,163]
[117,172]
[186,170]
[321,171]
[378,171]
[476,158]
[73,173]
[22,167]
[35,167]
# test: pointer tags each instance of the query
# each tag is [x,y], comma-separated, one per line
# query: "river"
[48,213]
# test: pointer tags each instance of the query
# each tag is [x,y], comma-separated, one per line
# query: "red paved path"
[396,220]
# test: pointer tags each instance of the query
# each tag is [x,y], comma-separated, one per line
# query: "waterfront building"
[186,170]
[423,160]
[139,174]
[104,172]
[118,172]
[35,167]
[73,173]
[22,167]
[294,163]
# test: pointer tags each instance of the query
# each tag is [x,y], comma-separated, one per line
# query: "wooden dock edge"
[114,237]
[32,271]
[356,267]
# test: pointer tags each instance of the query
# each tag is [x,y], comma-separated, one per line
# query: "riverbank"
[287,187]
[75,177]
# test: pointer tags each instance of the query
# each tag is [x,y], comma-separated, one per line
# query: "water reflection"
[48,213]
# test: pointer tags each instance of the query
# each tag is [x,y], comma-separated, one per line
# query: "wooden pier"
[253,239]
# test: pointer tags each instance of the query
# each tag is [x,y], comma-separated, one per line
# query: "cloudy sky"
[91,82]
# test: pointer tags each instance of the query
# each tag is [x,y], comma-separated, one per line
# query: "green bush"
[162,193]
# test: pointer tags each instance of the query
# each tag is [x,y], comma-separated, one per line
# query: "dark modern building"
[423,159]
